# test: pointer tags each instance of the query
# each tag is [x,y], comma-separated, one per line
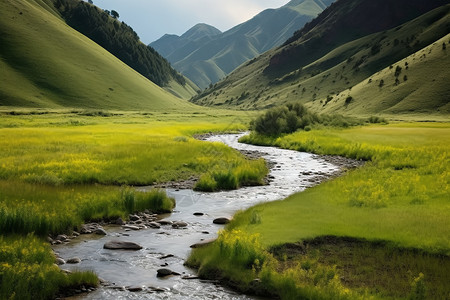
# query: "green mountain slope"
[122,41]
[45,63]
[214,55]
[320,76]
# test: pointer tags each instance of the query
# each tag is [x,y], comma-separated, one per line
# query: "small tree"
[114,14]
[91,2]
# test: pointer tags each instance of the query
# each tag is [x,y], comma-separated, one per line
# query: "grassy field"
[61,168]
[45,63]
[394,211]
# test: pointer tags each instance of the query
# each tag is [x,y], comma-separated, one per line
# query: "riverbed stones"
[165,222]
[155,225]
[119,221]
[164,272]
[121,245]
[59,261]
[61,238]
[100,231]
[198,214]
[221,221]
[130,227]
[135,288]
[73,260]
[179,224]
[133,217]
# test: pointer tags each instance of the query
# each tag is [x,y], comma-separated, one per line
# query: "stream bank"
[133,274]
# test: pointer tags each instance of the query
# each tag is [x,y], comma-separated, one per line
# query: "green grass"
[61,168]
[400,196]
[27,270]
[47,64]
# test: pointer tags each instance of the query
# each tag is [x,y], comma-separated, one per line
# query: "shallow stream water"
[291,172]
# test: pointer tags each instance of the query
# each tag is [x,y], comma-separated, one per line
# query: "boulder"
[73,260]
[179,224]
[131,227]
[221,221]
[163,272]
[165,222]
[134,218]
[135,288]
[121,245]
[154,225]
[100,231]
[59,261]
[120,221]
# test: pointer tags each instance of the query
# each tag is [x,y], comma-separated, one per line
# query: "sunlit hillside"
[45,63]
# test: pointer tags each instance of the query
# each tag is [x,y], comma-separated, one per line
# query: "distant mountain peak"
[200,30]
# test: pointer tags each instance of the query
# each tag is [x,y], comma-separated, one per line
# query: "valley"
[316,133]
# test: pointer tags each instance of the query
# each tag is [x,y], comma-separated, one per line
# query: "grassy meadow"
[393,214]
[62,168]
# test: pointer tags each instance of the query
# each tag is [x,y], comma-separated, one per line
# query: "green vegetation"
[119,39]
[28,271]
[335,69]
[392,211]
[62,168]
[294,116]
[75,73]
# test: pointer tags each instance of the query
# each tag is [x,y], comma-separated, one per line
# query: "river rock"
[121,245]
[134,217]
[132,227]
[165,222]
[198,214]
[135,288]
[221,221]
[61,237]
[179,224]
[59,261]
[120,221]
[73,260]
[203,243]
[165,272]
[100,231]
[154,225]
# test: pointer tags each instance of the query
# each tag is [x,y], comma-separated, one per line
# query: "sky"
[151,19]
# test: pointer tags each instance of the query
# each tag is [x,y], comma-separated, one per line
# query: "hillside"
[123,42]
[205,55]
[322,60]
[45,63]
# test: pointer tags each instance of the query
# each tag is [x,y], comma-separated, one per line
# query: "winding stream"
[292,172]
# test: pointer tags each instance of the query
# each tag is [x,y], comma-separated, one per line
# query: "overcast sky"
[151,19]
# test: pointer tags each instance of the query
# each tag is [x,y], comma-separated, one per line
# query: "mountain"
[122,41]
[205,55]
[352,42]
[44,63]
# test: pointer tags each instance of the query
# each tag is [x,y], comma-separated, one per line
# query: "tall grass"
[27,270]
[241,174]
[400,196]
[46,209]
[60,169]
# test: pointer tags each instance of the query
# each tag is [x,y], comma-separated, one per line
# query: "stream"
[291,172]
